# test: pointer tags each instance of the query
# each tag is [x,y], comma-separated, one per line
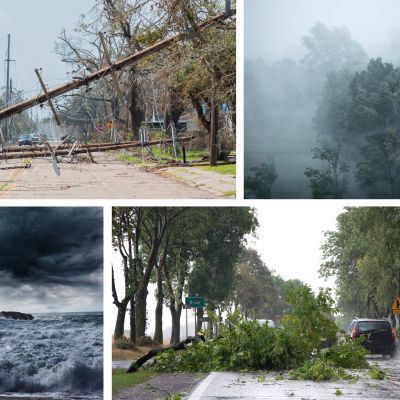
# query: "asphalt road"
[241,386]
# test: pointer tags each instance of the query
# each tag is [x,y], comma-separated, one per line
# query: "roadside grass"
[226,169]
[230,193]
[130,159]
[121,380]
[163,157]
[190,154]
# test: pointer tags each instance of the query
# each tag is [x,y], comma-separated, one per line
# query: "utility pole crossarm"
[18,108]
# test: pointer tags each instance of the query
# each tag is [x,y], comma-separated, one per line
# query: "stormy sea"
[54,356]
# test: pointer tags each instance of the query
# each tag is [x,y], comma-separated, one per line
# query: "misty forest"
[326,126]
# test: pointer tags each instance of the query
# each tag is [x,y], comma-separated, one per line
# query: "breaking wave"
[54,353]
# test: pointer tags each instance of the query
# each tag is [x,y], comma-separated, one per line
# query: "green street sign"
[195,302]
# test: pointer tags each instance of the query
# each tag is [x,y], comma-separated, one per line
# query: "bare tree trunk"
[141,310]
[158,333]
[213,142]
[200,315]
[137,114]
[176,326]
[119,325]
[121,306]
[132,322]
[210,329]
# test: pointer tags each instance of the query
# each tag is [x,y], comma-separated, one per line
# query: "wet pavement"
[238,386]
[160,387]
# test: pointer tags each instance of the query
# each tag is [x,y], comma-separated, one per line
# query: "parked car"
[269,322]
[25,140]
[35,139]
[379,335]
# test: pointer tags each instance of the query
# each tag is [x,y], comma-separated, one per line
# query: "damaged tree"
[103,72]
[152,353]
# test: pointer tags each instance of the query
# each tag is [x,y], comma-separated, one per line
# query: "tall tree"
[255,289]
[213,274]
[260,183]
[329,182]
[332,49]
[364,257]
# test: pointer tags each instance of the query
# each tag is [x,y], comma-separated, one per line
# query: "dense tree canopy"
[361,113]
[182,248]
[364,257]
[332,49]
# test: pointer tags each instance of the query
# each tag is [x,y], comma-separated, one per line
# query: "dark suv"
[380,337]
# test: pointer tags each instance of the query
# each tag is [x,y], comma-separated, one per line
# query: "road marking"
[202,387]
[10,182]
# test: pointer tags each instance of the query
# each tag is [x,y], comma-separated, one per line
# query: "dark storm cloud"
[51,247]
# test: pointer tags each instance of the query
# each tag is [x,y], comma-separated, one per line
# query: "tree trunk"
[141,308]
[158,333]
[210,329]
[119,325]
[133,323]
[137,114]
[200,315]
[176,326]
[213,138]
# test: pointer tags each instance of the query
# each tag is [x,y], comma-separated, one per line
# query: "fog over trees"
[322,99]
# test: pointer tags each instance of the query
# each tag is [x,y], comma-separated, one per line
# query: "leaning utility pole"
[7,86]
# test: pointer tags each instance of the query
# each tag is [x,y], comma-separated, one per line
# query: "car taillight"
[393,332]
[354,332]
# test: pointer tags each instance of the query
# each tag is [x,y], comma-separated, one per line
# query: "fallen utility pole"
[18,108]
[53,110]
[63,145]
[84,149]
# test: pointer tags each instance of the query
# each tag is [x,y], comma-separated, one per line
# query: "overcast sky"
[34,27]
[51,259]
[290,236]
[273,28]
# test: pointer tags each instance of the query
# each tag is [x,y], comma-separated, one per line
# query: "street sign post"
[195,302]
[396,306]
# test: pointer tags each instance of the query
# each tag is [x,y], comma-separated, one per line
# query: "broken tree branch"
[152,353]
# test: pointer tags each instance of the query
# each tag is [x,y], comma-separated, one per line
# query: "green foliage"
[124,344]
[121,380]
[256,291]
[348,354]
[332,49]
[376,373]
[364,257]
[361,111]
[319,369]
[145,341]
[174,397]
[310,317]
[380,164]
[225,169]
[260,184]
[220,233]
[330,182]
[338,392]
[247,345]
